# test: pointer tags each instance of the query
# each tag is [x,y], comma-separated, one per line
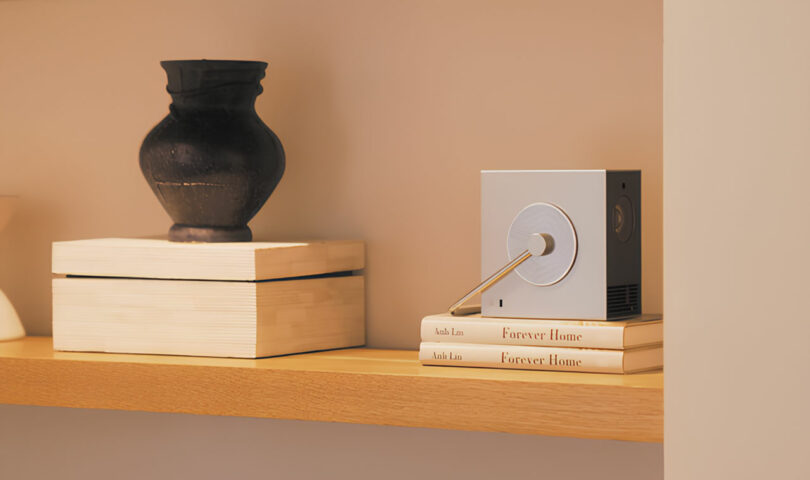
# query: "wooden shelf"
[381,387]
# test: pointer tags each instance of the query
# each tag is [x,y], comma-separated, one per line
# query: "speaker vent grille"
[623,300]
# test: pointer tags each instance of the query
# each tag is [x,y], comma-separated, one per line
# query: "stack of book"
[620,346]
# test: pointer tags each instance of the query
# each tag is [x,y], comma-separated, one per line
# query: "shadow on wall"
[298,103]
[18,273]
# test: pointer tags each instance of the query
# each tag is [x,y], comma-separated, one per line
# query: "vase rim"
[216,63]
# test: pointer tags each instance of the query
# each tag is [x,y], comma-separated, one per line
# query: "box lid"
[246,261]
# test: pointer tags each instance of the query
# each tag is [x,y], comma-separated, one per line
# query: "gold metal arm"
[456,308]
[539,244]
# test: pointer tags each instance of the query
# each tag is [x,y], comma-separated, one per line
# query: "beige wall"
[737,220]
[387,110]
[97,444]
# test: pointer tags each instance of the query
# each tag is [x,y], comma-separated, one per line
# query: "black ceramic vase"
[212,162]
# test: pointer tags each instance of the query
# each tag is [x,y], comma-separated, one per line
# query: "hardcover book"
[542,358]
[617,334]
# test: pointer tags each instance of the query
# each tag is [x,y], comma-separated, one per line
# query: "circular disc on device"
[543,218]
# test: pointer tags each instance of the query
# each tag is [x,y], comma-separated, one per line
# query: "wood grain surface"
[383,387]
[214,318]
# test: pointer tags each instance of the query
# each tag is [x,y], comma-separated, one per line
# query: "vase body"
[211,161]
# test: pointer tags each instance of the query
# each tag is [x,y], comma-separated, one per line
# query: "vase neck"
[232,98]
[214,84]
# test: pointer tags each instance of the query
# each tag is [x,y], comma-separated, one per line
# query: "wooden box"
[244,300]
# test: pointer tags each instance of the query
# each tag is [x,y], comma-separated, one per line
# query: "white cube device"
[587,224]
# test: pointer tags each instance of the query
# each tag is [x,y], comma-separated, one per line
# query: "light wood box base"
[208,318]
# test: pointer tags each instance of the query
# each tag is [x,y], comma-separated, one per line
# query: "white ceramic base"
[10,326]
